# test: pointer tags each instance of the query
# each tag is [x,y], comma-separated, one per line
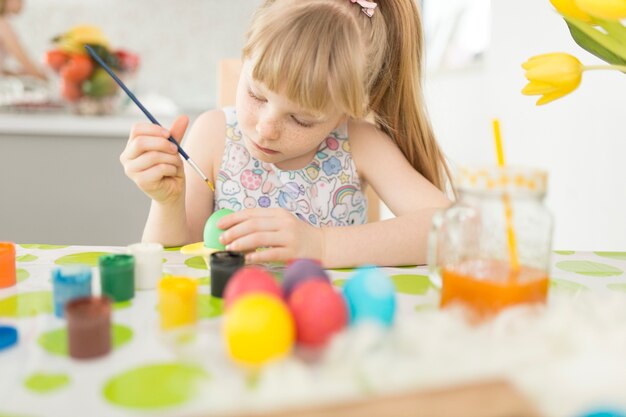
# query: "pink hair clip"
[367,7]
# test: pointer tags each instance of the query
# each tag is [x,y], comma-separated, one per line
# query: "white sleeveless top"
[327,192]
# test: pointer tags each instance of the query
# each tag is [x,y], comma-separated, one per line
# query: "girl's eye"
[303,124]
[255,97]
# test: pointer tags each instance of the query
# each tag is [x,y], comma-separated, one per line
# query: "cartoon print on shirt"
[233,132]
[320,194]
[288,194]
[332,143]
[272,182]
[230,187]
[356,217]
[251,179]
[313,171]
[237,158]
[339,212]
[248,202]
[331,166]
[324,193]
[232,203]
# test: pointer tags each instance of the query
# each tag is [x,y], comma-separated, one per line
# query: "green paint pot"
[117,276]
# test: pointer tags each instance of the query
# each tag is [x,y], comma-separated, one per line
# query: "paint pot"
[7,265]
[117,276]
[178,302]
[88,327]
[8,337]
[223,265]
[148,264]
[69,282]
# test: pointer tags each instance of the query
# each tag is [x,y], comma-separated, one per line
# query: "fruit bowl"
[83,84]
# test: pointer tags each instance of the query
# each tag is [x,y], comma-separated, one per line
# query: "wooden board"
[488,399]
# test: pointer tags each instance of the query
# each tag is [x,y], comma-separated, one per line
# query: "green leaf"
[596,42]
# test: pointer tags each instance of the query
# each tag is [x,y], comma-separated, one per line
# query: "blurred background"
[61,181]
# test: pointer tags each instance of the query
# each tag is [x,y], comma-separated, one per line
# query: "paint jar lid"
[72,274]
[227,258]
[8,337]
[116,260]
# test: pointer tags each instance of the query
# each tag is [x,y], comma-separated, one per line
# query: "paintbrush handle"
[145,111]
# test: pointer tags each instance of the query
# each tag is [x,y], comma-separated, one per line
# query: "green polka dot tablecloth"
[149,372]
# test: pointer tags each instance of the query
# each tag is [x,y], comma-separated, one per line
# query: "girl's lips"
[264,150]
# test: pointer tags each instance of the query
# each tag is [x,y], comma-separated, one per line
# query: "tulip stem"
[605,67]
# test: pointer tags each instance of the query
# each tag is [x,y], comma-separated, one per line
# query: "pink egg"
[250,279]
[318,311]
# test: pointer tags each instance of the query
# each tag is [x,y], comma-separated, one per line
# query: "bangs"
[298,52]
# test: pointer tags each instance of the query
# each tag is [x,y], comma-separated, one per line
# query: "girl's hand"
[285,236]
[152,161]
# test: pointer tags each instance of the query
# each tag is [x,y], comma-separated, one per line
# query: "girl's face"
[276,130]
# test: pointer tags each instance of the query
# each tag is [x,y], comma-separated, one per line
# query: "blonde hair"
[327,51]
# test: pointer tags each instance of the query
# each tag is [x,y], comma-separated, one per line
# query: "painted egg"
[370,295]
[250,279]
[212,233]
[302,270]
[318,312]
[257,329]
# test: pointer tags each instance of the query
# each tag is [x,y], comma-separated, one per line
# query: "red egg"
[250,279]
[318,311]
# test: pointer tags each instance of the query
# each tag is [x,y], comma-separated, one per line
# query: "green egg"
[211,232]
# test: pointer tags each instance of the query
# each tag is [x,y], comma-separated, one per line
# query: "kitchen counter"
[59,123]
[60,177]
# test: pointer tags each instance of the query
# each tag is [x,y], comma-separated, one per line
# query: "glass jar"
[492,248]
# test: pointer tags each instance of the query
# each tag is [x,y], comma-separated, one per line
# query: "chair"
[227,79]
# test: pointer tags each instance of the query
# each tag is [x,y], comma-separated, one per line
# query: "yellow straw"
[508,211]
[498,137]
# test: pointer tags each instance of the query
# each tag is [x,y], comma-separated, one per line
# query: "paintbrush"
[145,111]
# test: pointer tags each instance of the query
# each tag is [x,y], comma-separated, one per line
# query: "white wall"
[179,42]
[580,138]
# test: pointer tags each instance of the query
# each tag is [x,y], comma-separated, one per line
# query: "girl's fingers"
[248,226]
[255,240]
[143,144]
[229,221]
[155,174]
[151,158]
[269,255]
[179,127]
[147,129]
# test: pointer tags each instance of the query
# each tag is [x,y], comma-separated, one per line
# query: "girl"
[10,46]
[329,102]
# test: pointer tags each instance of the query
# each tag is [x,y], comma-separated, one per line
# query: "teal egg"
[212,233]
[370,295]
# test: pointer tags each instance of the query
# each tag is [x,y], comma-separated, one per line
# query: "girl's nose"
[268,127]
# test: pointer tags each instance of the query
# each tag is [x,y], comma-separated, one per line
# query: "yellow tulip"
[570,9]
[604,9]
[552,76]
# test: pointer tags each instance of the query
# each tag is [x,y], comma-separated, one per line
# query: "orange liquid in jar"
[488,286]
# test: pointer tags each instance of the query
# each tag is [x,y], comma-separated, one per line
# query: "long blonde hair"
[318,52]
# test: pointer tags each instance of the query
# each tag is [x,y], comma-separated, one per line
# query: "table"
[566,357]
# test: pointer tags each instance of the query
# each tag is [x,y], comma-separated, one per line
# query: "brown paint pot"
[88,327]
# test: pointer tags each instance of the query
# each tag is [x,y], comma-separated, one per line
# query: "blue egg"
[370,295]
[609,412]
